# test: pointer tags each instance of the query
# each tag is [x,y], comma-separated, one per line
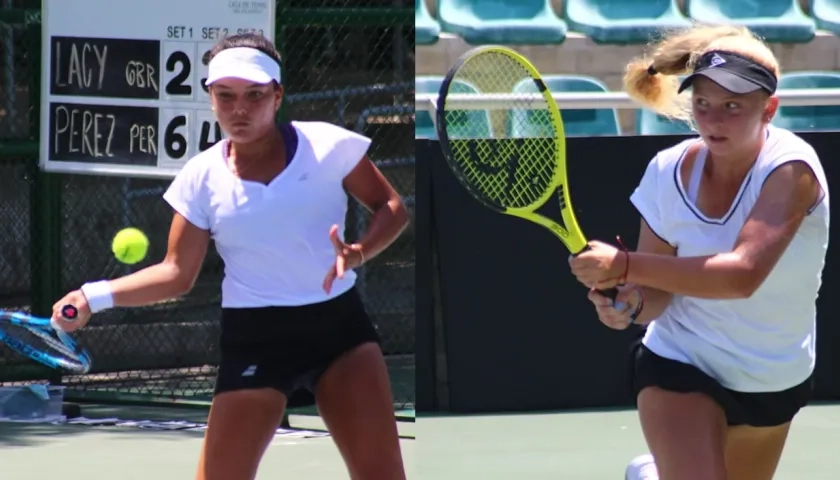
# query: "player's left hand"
[601,266]
[347,257]
[608,309]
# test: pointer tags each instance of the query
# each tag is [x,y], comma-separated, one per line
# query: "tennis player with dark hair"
[274,200]
[731,250]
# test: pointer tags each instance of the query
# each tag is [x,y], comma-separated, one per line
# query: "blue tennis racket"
[36,338]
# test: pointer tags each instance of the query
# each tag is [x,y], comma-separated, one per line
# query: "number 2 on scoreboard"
[178,71]
[179,63]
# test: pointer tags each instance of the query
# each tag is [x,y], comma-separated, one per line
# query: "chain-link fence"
[347,62]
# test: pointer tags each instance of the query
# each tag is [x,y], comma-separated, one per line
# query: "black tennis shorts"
[755,409]
[289,348]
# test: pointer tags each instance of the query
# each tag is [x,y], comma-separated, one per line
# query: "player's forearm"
[717,276]
[386,225]
[656,301]
[150,285]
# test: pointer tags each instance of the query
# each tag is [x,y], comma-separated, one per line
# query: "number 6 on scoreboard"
[175,131]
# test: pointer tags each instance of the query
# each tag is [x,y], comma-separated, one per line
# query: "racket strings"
[53,343]
[38,340]
[516,168]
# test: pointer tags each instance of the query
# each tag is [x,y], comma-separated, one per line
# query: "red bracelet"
[622,279]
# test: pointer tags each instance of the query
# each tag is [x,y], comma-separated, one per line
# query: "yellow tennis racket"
[502,135]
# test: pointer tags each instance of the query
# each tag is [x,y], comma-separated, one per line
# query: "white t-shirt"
[764,343]
[274,239]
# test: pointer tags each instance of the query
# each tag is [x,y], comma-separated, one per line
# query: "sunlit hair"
[676,55]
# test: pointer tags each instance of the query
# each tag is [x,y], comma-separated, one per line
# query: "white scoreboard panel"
[122,82]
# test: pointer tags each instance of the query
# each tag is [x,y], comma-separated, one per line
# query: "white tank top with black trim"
[274,238]
[764,343]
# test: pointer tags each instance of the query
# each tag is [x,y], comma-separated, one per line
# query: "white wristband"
[98,295]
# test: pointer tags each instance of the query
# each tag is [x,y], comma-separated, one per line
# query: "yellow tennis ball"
[130,245]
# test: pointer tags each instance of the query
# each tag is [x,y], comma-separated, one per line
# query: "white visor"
[245,63]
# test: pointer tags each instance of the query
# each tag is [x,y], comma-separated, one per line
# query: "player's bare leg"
[354,399]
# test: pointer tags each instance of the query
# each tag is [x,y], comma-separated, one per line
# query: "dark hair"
[244,40]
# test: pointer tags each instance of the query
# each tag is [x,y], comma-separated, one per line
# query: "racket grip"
[610,293]
[69,312]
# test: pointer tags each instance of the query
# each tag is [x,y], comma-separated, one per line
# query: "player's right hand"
[628,299]
[77,299]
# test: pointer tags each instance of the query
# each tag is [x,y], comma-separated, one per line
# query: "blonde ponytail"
[652,79]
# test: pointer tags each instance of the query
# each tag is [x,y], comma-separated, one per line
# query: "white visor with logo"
[244,63]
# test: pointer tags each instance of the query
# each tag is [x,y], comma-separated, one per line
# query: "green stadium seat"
[780,21]
[475,123]
[809,118]
[426,28]
[649,122]
[826,15]
[623,22]
[506,22]
[594,122]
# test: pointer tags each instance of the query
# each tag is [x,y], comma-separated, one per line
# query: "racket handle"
[69,312]
[610,293]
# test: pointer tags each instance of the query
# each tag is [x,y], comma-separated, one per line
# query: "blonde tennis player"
[733,239]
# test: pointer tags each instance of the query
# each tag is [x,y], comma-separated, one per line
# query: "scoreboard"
[122,82]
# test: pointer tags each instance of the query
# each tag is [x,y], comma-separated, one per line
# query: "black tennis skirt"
[764,409]
[289,348]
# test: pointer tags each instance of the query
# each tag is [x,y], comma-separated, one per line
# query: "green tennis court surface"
[581,445]
[76,452]
[587,446]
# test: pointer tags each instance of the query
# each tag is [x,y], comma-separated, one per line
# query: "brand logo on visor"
[733,72]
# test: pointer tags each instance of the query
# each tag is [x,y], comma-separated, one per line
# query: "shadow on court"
[36,434]
[77,452]
[25,434]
